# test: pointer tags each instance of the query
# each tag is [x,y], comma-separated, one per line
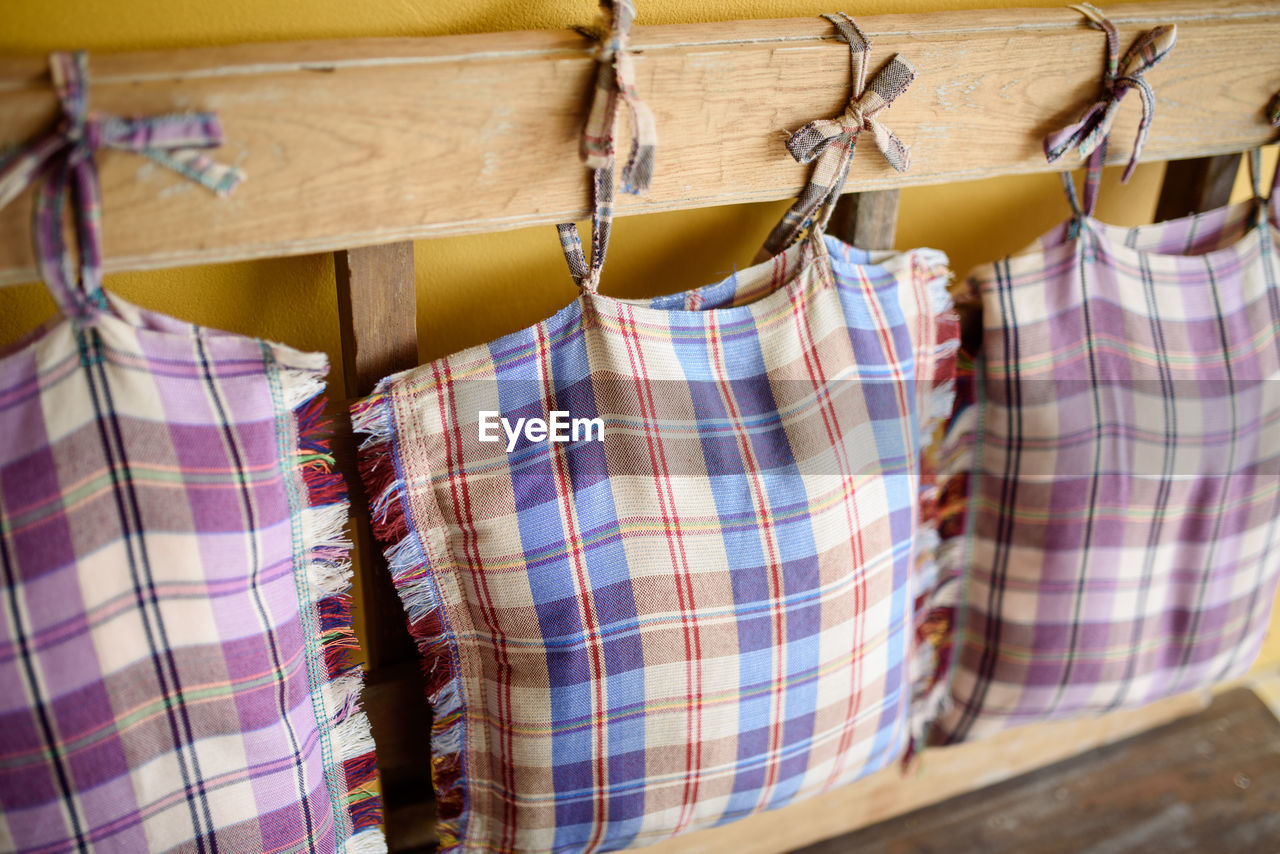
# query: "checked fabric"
[706,609]
[175,629]
[1125,543]
[708,613]
[1124,518]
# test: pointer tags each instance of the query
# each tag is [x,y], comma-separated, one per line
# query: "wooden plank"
[1209,782]
[1199,184]
[377,314]
[360,142]
[944,773]
[867,220]
[377,310]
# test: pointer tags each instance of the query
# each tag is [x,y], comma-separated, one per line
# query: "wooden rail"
[358,142]
[371,143]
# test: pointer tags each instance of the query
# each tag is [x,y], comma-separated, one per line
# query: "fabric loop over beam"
[360,142]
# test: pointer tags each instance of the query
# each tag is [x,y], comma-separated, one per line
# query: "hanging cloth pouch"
[658,555]
[177,629]
[1122,538]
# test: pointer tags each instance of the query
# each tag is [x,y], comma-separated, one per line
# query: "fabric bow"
[1121,75]
[172,141]
[836,137]
[66,155]
[831,141]
[615,80]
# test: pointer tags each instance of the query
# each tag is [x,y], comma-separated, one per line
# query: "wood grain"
[1209,782]
[944,773]
[867,220]
[377,316]
[377,310]
[361,142]
[1195,185]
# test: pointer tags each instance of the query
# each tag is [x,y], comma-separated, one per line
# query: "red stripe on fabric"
[683,578]
[831,421]
[461,496]
[590,626]
[771,558]
[893,361]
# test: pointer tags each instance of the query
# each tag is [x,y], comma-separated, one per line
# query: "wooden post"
[377,310]
[867,220]
[378,316]
[1196,185]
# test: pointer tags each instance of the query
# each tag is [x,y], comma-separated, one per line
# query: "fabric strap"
[1089,133]
[65,159]
[831,141]
[615,81]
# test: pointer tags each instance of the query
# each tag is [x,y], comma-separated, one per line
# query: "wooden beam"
[361,142]
[377,313]
[397,708]
[378,318]
[939,773]
[867,220]
[1199,184]
[1207,781]
[943,773]
[378,324]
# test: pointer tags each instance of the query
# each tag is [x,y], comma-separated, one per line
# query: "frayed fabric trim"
[934,568]
[411,572]
[324,549]
[939,620]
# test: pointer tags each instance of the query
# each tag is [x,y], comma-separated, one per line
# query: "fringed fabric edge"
[934,568]
[411,573]
[351,769]
[941,620]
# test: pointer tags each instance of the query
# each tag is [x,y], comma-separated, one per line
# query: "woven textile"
[172,647]
[829,143]
[1124,542]
[709,610]
[174,625]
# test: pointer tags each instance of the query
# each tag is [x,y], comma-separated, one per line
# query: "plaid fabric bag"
[174,625]
[660,557]
[1123,537]
[704,609]
[1126,488]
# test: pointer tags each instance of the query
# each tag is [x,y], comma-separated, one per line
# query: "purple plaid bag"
[175,627]
[1123,538]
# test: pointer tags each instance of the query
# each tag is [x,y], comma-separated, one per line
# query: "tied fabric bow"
[615,81]
[66,155]
[831,141]
[1122,74]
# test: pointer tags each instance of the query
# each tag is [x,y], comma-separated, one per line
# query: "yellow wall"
[472,289]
